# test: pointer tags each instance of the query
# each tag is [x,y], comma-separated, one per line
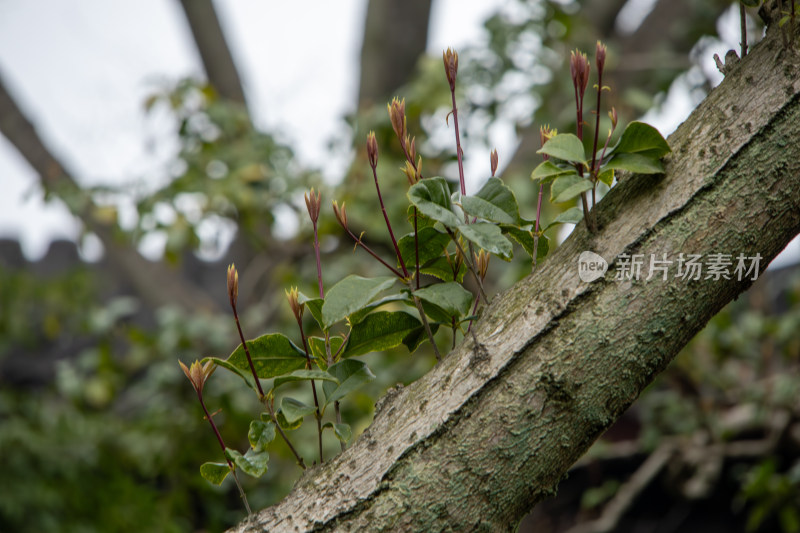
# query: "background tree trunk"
[395,36]
[213,48]
[554,361]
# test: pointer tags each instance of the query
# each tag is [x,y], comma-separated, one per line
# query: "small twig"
[743,24]
[469,266]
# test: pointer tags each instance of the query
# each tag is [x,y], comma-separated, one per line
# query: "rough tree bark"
[554,361]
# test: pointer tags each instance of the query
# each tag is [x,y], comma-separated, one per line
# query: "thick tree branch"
[554,361]
[213,48]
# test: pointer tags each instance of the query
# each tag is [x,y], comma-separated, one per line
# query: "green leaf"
[215,472]
[636,163]
[252,463]
[547,171]
[352,294]
[494,202]
[542,248]
[342,431]
[314,306]
[568,187]
[303,375]
[273,354]
[351,374]
[489,237]
[294,410]
[422,220]
[285,424]
[442,268]
[643,139]
[260,434]
[418,336]
[521,234]
[380,331]
[573,215]
[358,316]
[454,299]
[432,198]
[606,175]
[564,146]
[431,244]
[317,347]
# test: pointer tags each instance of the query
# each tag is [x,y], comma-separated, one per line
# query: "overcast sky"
[82,69]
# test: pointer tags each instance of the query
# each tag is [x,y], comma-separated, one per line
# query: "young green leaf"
[342,431]
[317,347]
[431,244]
[566,188]
[358,316]
[285,424]
[380,331]
[489,237]
[351,374]
[303,375]
[215,472]
[314,306]
[352,294]
[418,336]
[260,434]
[294,410]
[547,171]
[494,202]
[273,354]
[252,463]
[432,198]
[442,268]
[454,299]
[641,138]
[636,163]
[573,215]
[564,146]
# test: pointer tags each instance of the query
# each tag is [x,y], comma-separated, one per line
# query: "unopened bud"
[613,116]
[482,263]
[233,284]
[397,114]
[545,134]
[579,70]
[372,149]
[340,213]
[600,57]
[198,374]
[450,58]
[411,147]
[494,160]
[313,204]
[297,308]
[410,172]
